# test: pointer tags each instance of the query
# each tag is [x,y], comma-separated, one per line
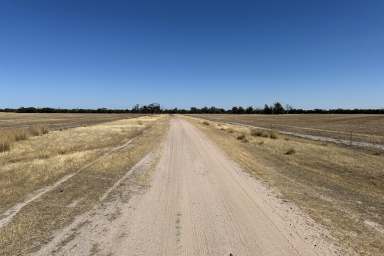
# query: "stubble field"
[356,128]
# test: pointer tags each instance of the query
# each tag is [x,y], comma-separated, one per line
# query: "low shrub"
[258,133]
[230,130]
[290,151]
[205,123]
[242,137]
[273,135]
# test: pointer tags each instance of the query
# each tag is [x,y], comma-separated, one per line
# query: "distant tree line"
[155,108]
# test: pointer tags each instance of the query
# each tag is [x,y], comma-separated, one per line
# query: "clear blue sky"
[90,53]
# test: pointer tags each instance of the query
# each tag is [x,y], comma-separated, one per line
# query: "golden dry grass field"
[48,179]
[341,188]
[19,126]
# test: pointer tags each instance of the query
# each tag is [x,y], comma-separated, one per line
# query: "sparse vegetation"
[364,128]
[205,123]
[262,133]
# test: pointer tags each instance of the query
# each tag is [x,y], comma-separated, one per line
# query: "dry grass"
[4,146]
[263,133]
[340,188]
[38,130]
[40,161]
[56,121]
[258,133]
[365,128]
[12,135]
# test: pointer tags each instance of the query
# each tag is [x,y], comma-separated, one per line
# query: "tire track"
[9,214]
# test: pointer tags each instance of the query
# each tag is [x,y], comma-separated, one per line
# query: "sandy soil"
[199,203]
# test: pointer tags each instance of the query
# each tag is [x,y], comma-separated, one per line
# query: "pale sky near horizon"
[90,54]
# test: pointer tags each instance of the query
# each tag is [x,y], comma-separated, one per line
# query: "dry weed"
[290,151]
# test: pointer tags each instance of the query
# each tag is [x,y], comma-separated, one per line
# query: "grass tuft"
[273,135]
[290,151]
[20,135]
[242,138]
[205,123]
[4,146]
[258,133]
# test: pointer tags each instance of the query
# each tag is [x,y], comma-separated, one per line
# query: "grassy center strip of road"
[36,223]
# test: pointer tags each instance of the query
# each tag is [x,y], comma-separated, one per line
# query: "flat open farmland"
[48,179]
[179,185]
[359,128]
[56,120]
[340,187]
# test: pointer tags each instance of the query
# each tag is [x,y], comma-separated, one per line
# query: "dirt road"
[199,203]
